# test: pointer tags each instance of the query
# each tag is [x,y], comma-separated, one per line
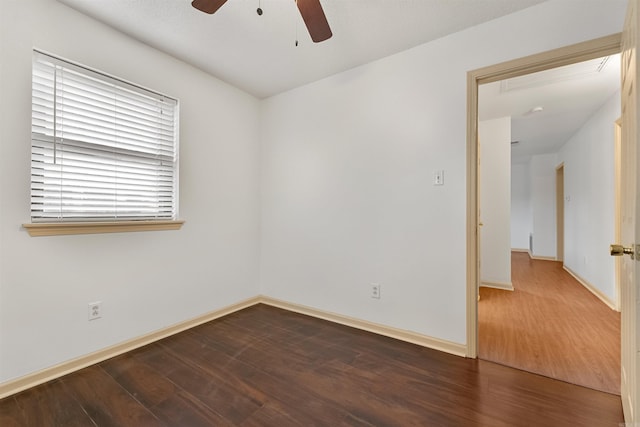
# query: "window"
[102,150]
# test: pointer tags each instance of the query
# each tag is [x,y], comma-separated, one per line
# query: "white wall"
[347,173]
[543,205]
[495,201]
[521,216]
[589,199]
[148,280]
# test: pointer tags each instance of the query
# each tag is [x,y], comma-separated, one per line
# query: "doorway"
[565,56]
[531,327]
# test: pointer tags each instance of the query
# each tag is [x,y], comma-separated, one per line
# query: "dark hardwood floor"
[550,325]
[264,366]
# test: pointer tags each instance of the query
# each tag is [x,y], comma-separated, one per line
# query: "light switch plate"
[438,177]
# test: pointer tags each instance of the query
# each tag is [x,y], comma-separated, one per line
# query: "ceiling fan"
[311,11]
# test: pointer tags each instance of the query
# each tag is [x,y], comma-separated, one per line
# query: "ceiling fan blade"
[315,19]
[208,6]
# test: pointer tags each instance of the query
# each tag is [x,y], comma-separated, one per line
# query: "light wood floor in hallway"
[550,325]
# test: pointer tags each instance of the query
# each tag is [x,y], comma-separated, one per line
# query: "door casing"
[560,212]
[617,150]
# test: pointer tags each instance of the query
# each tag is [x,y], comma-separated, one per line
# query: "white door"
[630,234]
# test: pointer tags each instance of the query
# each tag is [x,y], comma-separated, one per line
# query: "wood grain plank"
[213,378]
[49,404]
[105,401]
[550,325]
[10,413]
[170,403]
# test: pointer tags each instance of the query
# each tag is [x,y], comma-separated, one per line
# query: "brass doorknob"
[619,250]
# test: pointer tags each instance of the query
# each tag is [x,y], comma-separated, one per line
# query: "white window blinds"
[101,149]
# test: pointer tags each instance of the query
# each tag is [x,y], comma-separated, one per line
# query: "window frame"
[88,225]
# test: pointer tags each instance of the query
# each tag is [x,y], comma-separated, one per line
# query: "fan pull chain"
[296,26]
[259,11]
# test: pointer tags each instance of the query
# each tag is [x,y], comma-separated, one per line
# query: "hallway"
[550,325]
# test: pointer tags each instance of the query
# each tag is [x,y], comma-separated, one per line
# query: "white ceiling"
[569,96]
[258,53]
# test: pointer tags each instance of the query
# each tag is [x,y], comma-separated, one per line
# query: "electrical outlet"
[95,310]
[375,290]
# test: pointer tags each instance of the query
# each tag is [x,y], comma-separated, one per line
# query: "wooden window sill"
[63,228]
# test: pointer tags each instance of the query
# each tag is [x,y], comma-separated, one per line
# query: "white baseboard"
[542,258]
[520,250]
[506,286]
[597,292]
[36,378]
[39,377]
[399,334]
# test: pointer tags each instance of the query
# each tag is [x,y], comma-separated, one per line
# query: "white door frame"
[585,51]
[560,213]
[617,173]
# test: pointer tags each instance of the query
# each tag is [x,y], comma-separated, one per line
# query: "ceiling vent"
[555,75]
